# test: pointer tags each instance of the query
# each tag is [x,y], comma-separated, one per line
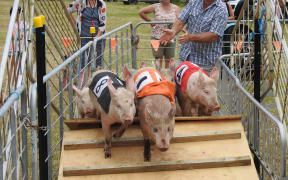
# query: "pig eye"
[118,106]
[131,105]
[168,129]
[155,130]
[206,92]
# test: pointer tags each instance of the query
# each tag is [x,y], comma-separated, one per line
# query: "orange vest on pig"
[150,82]
[184,71]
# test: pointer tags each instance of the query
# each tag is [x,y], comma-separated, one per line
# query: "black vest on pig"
[100,89]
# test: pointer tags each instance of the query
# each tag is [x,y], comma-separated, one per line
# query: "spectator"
[91,13]
[17,45]
[201,42]
[163,11]
[229,9]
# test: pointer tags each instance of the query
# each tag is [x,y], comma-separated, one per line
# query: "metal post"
[257,71]
[13,143]
[24,135]
[133,38]
[110,54]
[61,108]
[41,91]
[122,51]
[70,90]
[116,54]
[127,46]
[49,143]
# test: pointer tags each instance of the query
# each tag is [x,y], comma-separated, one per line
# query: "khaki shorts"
[167,51]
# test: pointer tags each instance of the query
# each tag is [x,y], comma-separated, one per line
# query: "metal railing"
[265,133]
[65,101]
[13,136]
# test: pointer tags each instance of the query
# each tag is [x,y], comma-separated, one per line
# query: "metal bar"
[110,55]
[257,85]
[49,139]
[70,90]
[12,98]
[127,47]
[24,136]
[13,142]
[34,144]
[122,51]
[41,89]
[116,54]
[61,108]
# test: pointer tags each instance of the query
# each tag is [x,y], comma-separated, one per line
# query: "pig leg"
[120,131]
[108,138]
[147,151]
[194,109]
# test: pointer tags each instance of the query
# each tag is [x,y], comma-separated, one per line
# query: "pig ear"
[200,81]
[148,114]
[111,88]
[126,73]
[78,91]
[214,74]
[172,111]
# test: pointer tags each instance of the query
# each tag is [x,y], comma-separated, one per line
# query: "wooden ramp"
[206,148]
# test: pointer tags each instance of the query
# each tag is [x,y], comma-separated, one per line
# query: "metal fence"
[115,56]
[13,136]
[265,133]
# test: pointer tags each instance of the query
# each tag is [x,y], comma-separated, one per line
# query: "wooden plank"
[136,141]
[158,166]
[74,123]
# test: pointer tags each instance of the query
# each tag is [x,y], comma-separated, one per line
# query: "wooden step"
[79,123]
[136,141]
[158,166]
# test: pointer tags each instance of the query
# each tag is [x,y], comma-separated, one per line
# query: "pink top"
[162,15]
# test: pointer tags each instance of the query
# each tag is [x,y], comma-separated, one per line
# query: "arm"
[146,10]
[231,17]
[201,38]
[73,7]
[178,11]
[281,3]
[102,18]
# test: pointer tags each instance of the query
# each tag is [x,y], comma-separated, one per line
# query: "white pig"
[85,105]
[156,108]
[196,89]
[114,101]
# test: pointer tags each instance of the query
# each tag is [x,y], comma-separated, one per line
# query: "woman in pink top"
[163,11]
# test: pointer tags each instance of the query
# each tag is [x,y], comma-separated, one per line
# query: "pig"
[200,90]
[116,105]
[86,108]
[156,110]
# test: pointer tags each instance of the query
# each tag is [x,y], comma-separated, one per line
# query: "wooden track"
[219,152]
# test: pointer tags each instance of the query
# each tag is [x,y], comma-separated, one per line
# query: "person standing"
[201,42]
[90,13]
[163,11]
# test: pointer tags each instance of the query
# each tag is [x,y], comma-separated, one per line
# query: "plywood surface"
[179,151]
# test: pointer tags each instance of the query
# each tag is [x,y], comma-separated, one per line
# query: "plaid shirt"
[213,19]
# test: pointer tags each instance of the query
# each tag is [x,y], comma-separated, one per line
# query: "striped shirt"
[198,20]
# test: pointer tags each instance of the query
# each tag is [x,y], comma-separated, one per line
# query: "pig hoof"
[147,158]
[107,153]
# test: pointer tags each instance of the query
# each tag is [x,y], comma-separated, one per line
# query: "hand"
[186,37]
[167,36]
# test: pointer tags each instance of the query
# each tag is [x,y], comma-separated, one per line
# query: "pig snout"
[163,149]
[163,145]
[128,121]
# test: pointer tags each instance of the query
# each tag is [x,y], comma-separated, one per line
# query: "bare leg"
[158,62]
[167,62]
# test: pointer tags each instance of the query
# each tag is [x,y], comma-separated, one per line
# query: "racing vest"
[99,88]
[150,82]
[183,72]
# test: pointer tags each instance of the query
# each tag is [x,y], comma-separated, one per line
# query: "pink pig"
[197,91]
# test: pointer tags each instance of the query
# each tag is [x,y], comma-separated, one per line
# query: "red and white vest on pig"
[184,71]
[150,82]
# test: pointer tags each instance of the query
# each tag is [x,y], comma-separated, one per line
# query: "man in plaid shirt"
[201,42]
